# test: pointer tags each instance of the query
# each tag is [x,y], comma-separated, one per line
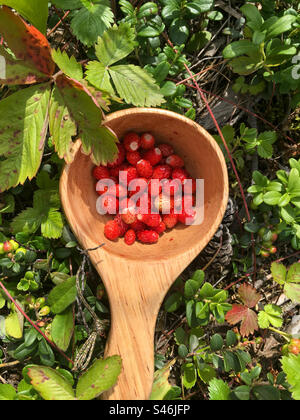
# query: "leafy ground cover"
[230,326]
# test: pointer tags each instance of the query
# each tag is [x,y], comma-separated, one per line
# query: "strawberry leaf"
[35,11]
[97,140]
[291,367]
[26,42]
[23,129]
[245,315]
[68,65]
[249,296]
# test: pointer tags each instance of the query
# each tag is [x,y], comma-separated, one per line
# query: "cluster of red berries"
[154,174]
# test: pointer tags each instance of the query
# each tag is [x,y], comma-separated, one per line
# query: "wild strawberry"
[175,161]
[108,204]
[273,250]
[171,187]
[114,172]
[161,228]
[120,158]
[179,173]
[119,190]
[7,246]
[127,211]
[162,172]
[123,226]
[170,220]
[153,156]
[100,172]
[148,236]
[132,142]
[133,157]
[104,185]
[264,253]
[138,226]
[130,237]
[187,216]
[144,168]
[112,230]
[151,220]
[166,150]
[294,346]
[128,175]
[147,141]
[143,204]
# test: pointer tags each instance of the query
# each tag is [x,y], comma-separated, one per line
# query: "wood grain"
[137,278]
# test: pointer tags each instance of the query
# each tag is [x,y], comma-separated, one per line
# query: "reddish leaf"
[26,42]
[247,317]
[249,296]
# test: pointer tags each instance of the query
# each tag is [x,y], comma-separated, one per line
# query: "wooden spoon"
[138,277]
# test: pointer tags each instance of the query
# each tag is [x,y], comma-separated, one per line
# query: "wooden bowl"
[138,277]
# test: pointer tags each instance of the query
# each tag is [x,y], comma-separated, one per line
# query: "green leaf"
[190,288]
[7,392]
[197,7]
[67,65]
[242,393]
[239,48]
[97,140]
[179,31]
[218,390]
[14,325]
[115,44]
[90,22]
[49,383]
[168,88]
[216,342]
[52,225]
[292,291]
[61,125]
[189,375]
[62,295]
[266,393]
[291,367]
[35,11]
[100,377]
[173,302]
[253,15]
[23,128]
[271,315]
[161,386]
[206,372]
[282,25]
[231,338]
[272,198]
[136,85]
[68,4]
[293,275]
[97,74]
[62,329]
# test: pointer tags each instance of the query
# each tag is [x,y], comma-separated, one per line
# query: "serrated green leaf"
[62,329]
[271,315]
[161,386]
[68,65]
[90,23]
[136,85]
[50,384]
[62,295]
[35,11]
[100,377]
[218,390]
[115,44]
[14,325]
[23,128]
[52,225]
[293,275]
[97,75]
[279,272]
[292,291]
[7,392]
[291,367]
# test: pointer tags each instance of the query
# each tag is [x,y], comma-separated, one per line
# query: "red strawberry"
[144,168]
[166,150]
[143,204]
[130,237]
[128,175]
[119,190]
[108,204]
[164,204]
[120,158]
[138,226]
[101,172]
[175,161]
[137,185]
[180,173]
[114,172]
[147,141]
[132,142]
[170,220]
[133,157]
[112,230]
[161,228]
[148,236]
[162,172]
[154,187]
[151,220]
[153,156]
[123,226]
